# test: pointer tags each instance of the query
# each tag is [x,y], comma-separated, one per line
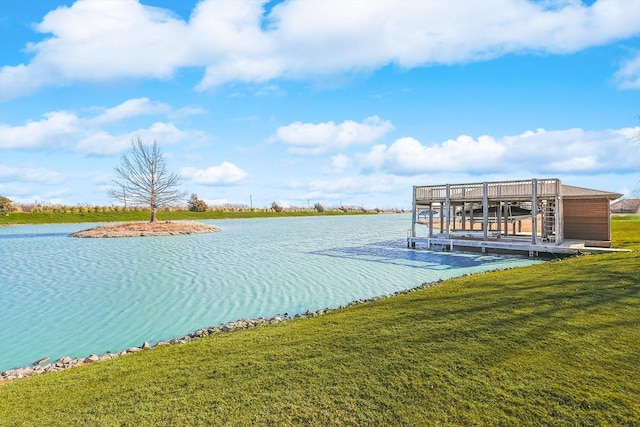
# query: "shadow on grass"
[519,311]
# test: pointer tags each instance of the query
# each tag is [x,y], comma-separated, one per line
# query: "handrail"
[496,190]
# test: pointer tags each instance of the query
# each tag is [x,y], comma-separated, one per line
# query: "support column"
[448,211]
[471,219]
[505,213]
[485,210]
[560,214]
[414,213]
[463,219]
[430,219]
[499,219]
[534,211]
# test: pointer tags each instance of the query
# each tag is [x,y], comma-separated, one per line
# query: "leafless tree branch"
[143,179]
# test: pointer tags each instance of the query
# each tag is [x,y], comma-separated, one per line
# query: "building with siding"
[626,206]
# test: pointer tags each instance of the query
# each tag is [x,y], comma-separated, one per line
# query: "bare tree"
[143,179]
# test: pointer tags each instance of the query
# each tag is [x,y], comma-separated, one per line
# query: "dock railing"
[498,190]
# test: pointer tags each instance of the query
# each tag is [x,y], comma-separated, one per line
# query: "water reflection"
[32,235]
[393,253]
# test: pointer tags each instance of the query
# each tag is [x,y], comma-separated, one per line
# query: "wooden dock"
[506,245]
[535,216]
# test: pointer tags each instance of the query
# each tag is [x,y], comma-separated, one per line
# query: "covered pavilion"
[535,215]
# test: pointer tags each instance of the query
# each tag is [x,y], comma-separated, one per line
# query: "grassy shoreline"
[32,218]
[550,344]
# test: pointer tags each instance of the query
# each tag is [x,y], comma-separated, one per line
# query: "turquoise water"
[61,296]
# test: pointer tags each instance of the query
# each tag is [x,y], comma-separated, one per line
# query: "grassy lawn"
[551,344]
[15,218]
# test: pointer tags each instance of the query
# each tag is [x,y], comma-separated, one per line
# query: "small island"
[144,180]
[146,229]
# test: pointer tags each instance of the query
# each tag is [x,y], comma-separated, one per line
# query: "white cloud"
[217,202]
[319,138]
[23,79]
[104,143]
[128,109]
[186,112]
[225,173]
[575,164]
[339,164]
[572,151]
[352,185]
[408,155]
[628,76]
[346,188]
[29,174]
[96,41]
[91,135]
[53,130]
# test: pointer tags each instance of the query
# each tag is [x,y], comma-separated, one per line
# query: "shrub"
[196,205]
[5,205]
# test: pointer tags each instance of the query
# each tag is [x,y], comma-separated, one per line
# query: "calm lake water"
[61,296]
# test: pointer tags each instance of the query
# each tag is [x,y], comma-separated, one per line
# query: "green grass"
[552,344]
[625,231]
[15,218]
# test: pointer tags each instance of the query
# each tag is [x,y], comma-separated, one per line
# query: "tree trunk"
[153,215]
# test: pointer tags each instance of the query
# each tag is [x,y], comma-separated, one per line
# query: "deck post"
[430,221]
[499,219]
[560,214]
[414,213]
[485,210]
[448,211]
[534,211]
[463,220]
[453,216]
[505,218]
[471,222]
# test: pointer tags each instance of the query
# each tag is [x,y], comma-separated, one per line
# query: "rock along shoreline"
[43,366]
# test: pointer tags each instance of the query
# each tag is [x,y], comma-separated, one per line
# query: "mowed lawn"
[552,344]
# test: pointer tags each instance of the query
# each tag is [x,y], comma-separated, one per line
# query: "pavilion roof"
[572,192]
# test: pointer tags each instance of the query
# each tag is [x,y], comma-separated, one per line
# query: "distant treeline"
[59,214]
[227,207]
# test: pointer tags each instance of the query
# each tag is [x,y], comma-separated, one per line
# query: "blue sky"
[338,102]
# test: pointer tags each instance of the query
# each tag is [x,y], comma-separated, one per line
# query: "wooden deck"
[535,216]
[513,245]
